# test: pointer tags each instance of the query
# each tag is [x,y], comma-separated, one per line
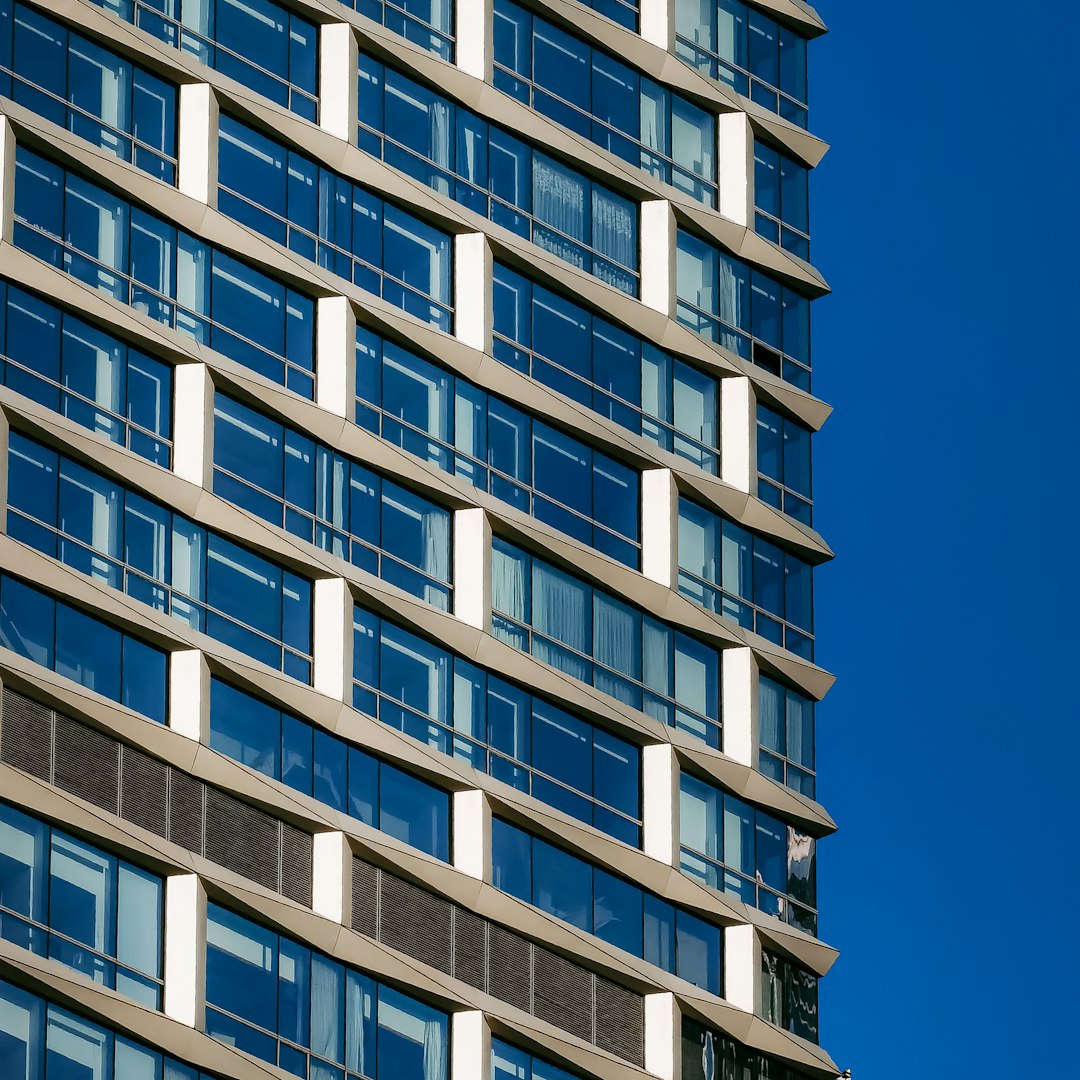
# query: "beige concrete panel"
[52,980]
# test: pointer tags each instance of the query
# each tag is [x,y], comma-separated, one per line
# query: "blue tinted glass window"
[54,635]
[461,429]
[347,230]
[601,98]
[510,1063]
[142,261]
[781,200]
[783,464]
[584,632]
[743,310]
[786,736]
[436,141]
[331,501]
[160,558]
[292,1007]
[745,578]
[789,996]
[72,902]
[736,848]
[459,709]
[117,106]
[258,43]
[746,50]
[614,909]
[327,768]
[427,23]
[616,374]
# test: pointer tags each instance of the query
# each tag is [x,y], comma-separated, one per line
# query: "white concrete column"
[658,23]
[331,876]
[659,526]
[338,57]
[472,290]
[472,567]
[7,180]
[471,822]
[739,691]
[185,949]
[660,802]
[193,423]
[473,30]
[735,167]
[738,434]
[742,963]
[333,638]
[335,356]
[197,143]
[658,233]
[663,1036]
[189,695]
[470,1046]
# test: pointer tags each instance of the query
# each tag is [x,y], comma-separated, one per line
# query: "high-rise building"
[406,552]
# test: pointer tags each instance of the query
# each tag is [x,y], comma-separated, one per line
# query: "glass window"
[742,577]
[789,996]
[786,726]
[117,106]
[460,709]
[735,848]
[327,768]
[440,144]
[452,423]
[297,1009]
[164,273]
[427,23]
[590,635]
[783,464]
[603,367]
[55,635]
[746,50]
[87,909]
[782,200]
[260,44]
[510,1063]
[610,907]
[743,310]
[116,536]
[340,225]
[331,501]
[598,96]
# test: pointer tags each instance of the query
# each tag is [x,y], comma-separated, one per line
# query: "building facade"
[406,541]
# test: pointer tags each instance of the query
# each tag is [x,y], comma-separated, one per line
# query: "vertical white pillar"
[471,822]
[739,690]
[331,876]
[735,167]
[660,802]
[738,434]
[185,949]
[472,567]
[333,638]
[742,960]
[189,695]
[7,180]
[662,1036]
[470,1046]
[473,30]
[335,356]
[197,143]
[472,290]
[658,256]
[338,57]
[193,423]
[659,526]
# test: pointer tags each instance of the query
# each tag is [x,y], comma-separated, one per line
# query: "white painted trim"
[742,962]
[658,256]
[473,30]
[197,143]
[659,526]
[735,167]
[738,433]
[335,356]
[339,55]
[662,1036]
[331,877]
[471,821]
[660,802]
[185,950]
[470,1046]
[472,290]
[472,567]
[193,424]
[189,695]
[333,635]
[739,688]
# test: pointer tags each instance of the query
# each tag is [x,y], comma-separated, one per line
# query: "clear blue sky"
[945,221]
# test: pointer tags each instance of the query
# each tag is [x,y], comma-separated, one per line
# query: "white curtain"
[614,227]
[654,127]
[508,582]
[559,200]
[561,607]
[435,541]
[771,716]
[359,1056]
[435,1050]
[327,994]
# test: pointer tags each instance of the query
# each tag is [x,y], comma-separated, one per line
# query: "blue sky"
[946,483]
